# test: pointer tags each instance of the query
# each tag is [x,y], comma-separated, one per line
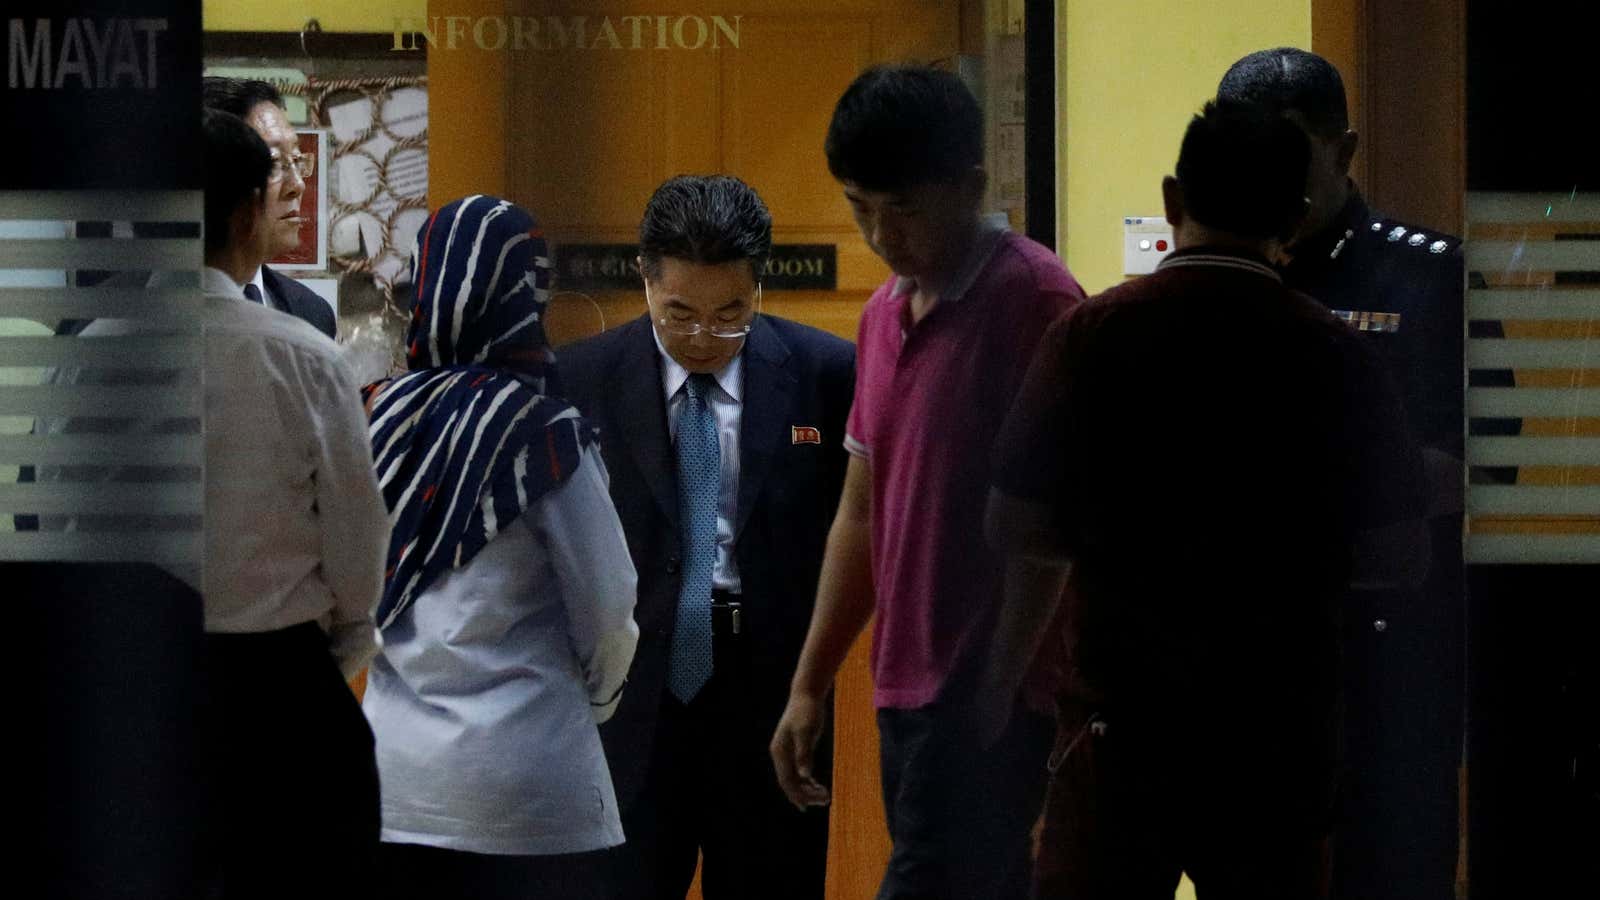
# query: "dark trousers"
[711,792]
[961,817]
[1134,805]
[293,784]
[1404,695]
[417,872]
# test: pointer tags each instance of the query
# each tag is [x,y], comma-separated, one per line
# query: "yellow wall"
[291,15]
[467,108]
[1132,73]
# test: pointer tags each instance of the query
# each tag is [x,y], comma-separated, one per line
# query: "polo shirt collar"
[992,229]
[1218,258]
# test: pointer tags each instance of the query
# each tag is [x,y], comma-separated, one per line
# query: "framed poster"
[312,253]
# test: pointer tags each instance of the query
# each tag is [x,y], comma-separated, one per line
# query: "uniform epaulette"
[1398,233]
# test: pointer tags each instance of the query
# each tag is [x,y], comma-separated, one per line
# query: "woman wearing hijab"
[506,621]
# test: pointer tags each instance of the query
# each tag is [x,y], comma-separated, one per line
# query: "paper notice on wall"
[405,112]
[373,176]
[349,119]
[408,173]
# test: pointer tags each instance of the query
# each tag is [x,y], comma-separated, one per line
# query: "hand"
[793,745]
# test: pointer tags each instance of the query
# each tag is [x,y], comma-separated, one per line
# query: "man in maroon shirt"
[1209,450]
[942,349]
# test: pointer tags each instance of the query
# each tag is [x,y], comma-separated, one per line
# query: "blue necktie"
[254,293]
[699,483]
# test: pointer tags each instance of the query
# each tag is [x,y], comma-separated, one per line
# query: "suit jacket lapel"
[278,297]
[768,395]
[642,416]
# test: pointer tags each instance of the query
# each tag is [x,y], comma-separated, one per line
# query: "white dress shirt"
[295,527]
[727,404]
[486,693]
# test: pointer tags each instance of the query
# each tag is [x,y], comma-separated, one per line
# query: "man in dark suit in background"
[260,105]
[721,429]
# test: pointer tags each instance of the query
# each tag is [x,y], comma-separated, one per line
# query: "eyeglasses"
[688,326]
[303,165]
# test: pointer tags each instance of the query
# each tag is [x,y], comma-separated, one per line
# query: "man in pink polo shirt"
[942,350]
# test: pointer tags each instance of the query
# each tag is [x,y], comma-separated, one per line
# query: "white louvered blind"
[107,423]
[1533,361]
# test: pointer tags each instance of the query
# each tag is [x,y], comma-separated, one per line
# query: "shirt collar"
[1218,258]
[674,375]
[991,229]
[261,284]
[216,281]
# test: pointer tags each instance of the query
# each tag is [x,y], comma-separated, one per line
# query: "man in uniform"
[1402,287]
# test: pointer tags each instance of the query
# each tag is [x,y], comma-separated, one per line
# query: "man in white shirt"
[295,536]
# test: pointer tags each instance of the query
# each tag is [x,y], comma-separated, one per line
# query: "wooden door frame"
[1039,124]
[1404,68]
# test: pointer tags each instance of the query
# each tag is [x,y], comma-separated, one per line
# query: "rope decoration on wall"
[373,225]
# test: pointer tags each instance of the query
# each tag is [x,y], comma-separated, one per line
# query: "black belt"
[727,613]
[251,648]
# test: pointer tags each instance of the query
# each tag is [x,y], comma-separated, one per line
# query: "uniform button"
[672,566]
[1380,625]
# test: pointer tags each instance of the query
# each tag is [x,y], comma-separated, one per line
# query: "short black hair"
[1243,171]
[1285,80]
[706,219]
[237,95]
[237,166]
[898,127]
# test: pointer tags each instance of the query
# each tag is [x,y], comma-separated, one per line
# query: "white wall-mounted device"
[1146,240]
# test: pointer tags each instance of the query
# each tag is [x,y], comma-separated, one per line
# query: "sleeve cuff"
[855,447]
[604,710]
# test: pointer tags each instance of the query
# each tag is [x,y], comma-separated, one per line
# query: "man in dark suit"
[721,429]
[260,104]
[289,295]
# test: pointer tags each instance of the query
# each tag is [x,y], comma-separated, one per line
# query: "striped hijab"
[464,444]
